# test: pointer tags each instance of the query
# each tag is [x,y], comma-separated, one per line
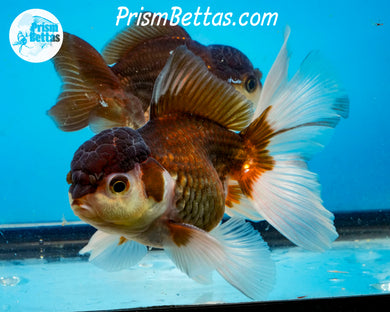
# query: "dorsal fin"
[135,34]
[186,86]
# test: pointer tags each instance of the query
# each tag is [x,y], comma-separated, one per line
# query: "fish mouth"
[81,209]
[90,215]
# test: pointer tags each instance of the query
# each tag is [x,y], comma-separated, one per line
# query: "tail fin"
[91,93]
[297,119]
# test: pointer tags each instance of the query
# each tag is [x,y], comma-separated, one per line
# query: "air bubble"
[9,281]
[384,286]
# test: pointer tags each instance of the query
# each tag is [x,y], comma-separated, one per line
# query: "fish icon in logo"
[22,40]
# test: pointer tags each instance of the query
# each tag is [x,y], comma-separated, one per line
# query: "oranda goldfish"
[207,151]
[103,97]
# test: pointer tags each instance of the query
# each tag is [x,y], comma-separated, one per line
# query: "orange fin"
[233,196]
[185,85]
[234,249]
[90,89]
[134,35]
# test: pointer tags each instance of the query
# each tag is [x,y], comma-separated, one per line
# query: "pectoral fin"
[113,252]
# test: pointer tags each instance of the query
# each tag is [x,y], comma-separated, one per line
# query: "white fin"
[299,117]
[108,252]
[276,77]
[234,249]
[307,108]
[244,209]
[242,206]
[289,198]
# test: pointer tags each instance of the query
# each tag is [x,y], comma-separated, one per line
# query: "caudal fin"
[294,120]
[91,93]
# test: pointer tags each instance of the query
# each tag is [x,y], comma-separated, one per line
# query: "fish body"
[200,155]
[101,96]
[207,151]
[138,69]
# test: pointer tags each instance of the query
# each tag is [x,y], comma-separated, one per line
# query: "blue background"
[353,168]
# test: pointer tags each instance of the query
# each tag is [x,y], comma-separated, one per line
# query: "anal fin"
[234,249]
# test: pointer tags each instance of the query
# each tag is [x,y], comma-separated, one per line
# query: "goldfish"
[205,152]
[95,94]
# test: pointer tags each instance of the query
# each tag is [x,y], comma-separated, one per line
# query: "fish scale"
[139,70]
[199,153]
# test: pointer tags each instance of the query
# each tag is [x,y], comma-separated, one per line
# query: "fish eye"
[119,184]
[250,84]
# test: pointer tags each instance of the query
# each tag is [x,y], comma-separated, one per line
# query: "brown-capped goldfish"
[203,153]
[101,96]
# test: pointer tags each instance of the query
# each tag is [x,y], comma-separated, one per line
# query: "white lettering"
[160,16]
[217,17]
[240,19]
[228,20]
[146,18]
[258,19]
[197,13]
[265,15]
[139,17]
[174,16]
[185,19]
[206,14]
[130,17]
[120,16]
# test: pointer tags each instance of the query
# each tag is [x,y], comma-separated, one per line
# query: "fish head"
[115,185]
[250,85]
[233,66]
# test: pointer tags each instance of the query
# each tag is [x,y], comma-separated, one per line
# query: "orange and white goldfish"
[102,97]
[207,151]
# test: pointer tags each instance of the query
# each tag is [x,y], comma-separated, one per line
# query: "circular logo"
[36,35]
